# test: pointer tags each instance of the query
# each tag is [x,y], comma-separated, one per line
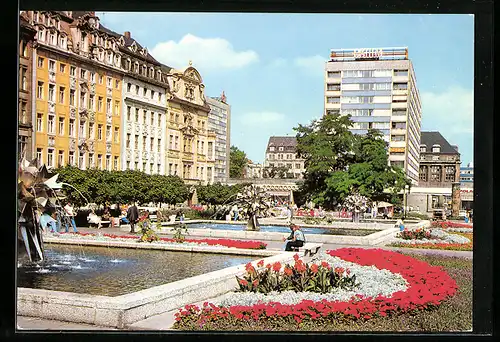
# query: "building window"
[72,71]
[333,99]
[436,173]
[115,163]
[71,97]
[39,156]
[144,114]
[91,102]
[144,143]
[99,161]
[151,144]
[71,128]
[399,125]
[398,137]
[99,104]
[81,132]
[333,74]
[128,165]
[83,73]
[423,173]
[108,106]
[39,93]
[83,97]
[399,112]
[136,142]
[128,140]
[24,113]
[436,148]
[136,115]
[101,79]
[400,86]
[51,124]
[176,145]
[116,135]
[117,108]
[60,158]
[81,159]
[109,82]
[91,160]
[52,92]
[108,133]
[117,84]
[152,119]
[129,87]
[449,174]
[159,146]
[423,148]
[52,65]
[136,90]
[92,77]
[91,130]
[71,158]
[24,79]
[152,94]
[40,62]
[39,122]
[99,131]
[401,72]
[398,163]
[108,162]
[62,68]
[333,87]
[50,157]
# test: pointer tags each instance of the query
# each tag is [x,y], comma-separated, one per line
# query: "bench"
[309,248]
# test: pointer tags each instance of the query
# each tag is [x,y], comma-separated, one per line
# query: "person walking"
[132,216]
[298,239]
[70,214]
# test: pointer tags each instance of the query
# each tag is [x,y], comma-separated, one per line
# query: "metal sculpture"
[255,203]
[37,193]
[356,204]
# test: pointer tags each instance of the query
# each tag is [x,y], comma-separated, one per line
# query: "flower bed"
[450,224]
[210,242]
[428,286]
[433,236]
[467,246]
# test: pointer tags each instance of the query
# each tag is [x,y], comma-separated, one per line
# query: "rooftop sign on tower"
[344,55]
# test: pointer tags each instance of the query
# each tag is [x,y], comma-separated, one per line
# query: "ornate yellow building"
[190,145]
[77,89]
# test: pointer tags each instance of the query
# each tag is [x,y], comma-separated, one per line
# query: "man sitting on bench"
[298,239]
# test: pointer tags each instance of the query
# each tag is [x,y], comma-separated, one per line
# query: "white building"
[144,110]
[219,121]
[282,152]
[378,88]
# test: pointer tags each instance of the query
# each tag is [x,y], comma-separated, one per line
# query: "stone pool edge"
[122,311]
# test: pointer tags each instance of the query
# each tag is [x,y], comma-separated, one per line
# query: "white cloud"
[313,65]
[451,112]
[206,53]
[279,62]
[260,118]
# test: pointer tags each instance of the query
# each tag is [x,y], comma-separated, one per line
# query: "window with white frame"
[116,136]
[91,160]
[91,130]
[24,112]
[99,104]
[71,158]
[24,78]
[128,141]
[71,131]
[108,133]
[91,102]
[81,131]
[51,124]
[39,122]
[108,162]
[81,159]
[52,93]
[39,92]
[115,163]
[99,161]
[72,97]
[39,156]
[72,71]
[108,105]
[60,158]
[50,157]
[117,108]
[109,81]
[52,65]
[99,132]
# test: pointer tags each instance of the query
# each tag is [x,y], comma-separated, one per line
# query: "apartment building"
[378,88]
[219,121]
[282,152]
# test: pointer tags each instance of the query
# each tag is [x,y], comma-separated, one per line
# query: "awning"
[383,204]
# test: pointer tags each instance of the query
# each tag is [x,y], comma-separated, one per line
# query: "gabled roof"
[289,143]
[432,138]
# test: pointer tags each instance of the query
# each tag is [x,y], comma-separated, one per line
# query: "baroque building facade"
[219,121]
[25,120]
[77,83]
[190,144]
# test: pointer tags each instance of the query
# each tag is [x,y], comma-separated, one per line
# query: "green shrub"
[148,235]
[179,231]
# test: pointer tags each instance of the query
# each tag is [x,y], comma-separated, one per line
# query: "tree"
[339,163]
[326,146]
[237,162]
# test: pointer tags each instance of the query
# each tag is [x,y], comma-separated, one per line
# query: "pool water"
[117,271]
[286,229]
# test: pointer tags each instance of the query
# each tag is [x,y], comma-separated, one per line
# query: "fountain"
[357,205]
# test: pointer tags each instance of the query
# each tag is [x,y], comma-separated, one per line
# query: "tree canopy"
[338,162]
[217,193]
[237,162]
[101,186]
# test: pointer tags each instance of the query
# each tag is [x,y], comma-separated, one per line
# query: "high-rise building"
[219,122]
[378,88]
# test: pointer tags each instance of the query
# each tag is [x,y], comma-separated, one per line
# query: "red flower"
[268,266]
[277,266]
[314,268]
[325,265]
[249,268]
[243,282]
[288,271]
[255,282]
[296,257]
[260,263]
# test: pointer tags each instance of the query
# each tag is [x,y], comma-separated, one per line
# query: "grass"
[453,315]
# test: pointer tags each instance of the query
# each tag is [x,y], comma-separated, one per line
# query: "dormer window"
[423,148]
[271,148]
[436,148]
[122,41]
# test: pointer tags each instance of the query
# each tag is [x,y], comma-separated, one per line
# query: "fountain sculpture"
[357,205]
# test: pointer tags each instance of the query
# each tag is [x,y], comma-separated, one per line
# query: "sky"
[271,66]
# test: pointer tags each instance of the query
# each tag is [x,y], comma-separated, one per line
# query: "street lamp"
[405,200]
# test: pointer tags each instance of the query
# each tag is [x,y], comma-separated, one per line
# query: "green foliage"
[180,230]
[101,186]
[237,162]
[283,171]
[300,277]
[217,193]
[148,235]
[339,163]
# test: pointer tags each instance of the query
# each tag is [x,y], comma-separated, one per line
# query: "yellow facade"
[57,118]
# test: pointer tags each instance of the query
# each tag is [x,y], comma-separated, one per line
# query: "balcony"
[187,156]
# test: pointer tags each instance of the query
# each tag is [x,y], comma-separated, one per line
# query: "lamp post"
[405,201]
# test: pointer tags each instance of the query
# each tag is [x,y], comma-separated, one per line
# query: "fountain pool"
[286,229]
[116,271]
